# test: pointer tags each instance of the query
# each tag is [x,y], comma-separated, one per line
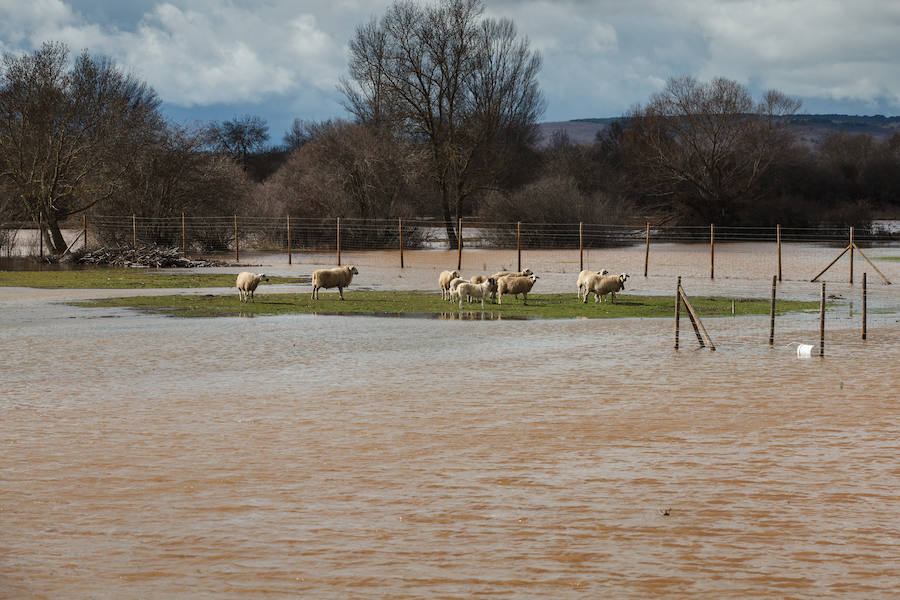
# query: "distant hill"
[810,129]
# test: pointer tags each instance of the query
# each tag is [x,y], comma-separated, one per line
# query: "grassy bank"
[123,279]
[540,306]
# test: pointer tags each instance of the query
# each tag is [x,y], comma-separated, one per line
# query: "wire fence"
[211,234]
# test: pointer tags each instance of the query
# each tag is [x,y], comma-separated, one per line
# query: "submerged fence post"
[338,242]
[822,323]
[400,231]
[237,252]
[459,243]
[851,256]
[778,241]
[772,315]
[864,306]
[290,258]
[647,251]
[581,245]
[519,245]
[712,251]
[677,309]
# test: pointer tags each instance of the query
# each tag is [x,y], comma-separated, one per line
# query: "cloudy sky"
[282,59]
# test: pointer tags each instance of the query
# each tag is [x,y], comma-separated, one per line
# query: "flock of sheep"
[453,287]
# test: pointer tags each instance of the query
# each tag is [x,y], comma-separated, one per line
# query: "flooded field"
[355,457]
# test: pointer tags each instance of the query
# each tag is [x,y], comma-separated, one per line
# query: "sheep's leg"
[341,292]
[524,298]
[314,295]
[482,303]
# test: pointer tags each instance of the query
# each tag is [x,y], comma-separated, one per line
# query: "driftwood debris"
[145,257]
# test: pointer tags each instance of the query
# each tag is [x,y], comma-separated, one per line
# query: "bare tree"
[706,145]
[239,137]
[446,75]
[68,134]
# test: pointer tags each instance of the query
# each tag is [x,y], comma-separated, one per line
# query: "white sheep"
[600,285]
[339,277]
[478,278]
[247,283]
[583,277]
[444,280]
[524,273]
[453,285]
[515,286]
[475,290]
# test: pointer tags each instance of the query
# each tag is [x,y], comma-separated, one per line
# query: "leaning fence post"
[400,232]
[338,238]
[290,259]
[677,309]
[712,251]
[647,251]
[864,306]
[822,323]
[772,315]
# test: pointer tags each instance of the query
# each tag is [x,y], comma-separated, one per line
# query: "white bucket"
[804,350]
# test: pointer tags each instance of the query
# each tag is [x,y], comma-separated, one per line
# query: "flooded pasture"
[329,457]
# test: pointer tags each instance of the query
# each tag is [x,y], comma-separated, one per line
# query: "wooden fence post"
[41,233]
[772,314]
[459,243]
[519,245]
[822,323]
[647,251]
[400,231]
[677,309]
[712,251]
[84,224]
[237,252]
[778,240]
[338,241]
[851,256]
[290,258]
[134,235]
[864,306]
[183,238]
[581,245]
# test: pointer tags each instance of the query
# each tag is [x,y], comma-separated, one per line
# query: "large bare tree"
[464,84]
[69,132]
[705,146]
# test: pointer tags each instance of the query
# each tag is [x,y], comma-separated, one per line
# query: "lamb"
[515,286]
[339,277]
[444,282]
[247,283]
[583,277]
[476,290]
[600,285]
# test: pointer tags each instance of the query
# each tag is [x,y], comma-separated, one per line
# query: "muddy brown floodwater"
[335,457]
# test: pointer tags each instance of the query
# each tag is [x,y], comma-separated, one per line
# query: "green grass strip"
[540,306]
[124,279]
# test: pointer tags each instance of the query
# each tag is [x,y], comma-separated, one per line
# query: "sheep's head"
[454,274]
[262,277]
[527,272]
[352,269]
[534,278]
[603,272]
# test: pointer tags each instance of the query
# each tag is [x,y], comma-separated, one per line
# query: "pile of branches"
[144,257]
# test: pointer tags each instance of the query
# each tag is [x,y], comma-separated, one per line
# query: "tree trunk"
[53,237]
[449,223]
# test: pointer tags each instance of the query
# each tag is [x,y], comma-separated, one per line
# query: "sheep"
[339,277]
[525,273]
[600,285]
[444,282]
[583,276]
[475,290]
[515,286]
[478,278]
[453,285]
[247,283]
